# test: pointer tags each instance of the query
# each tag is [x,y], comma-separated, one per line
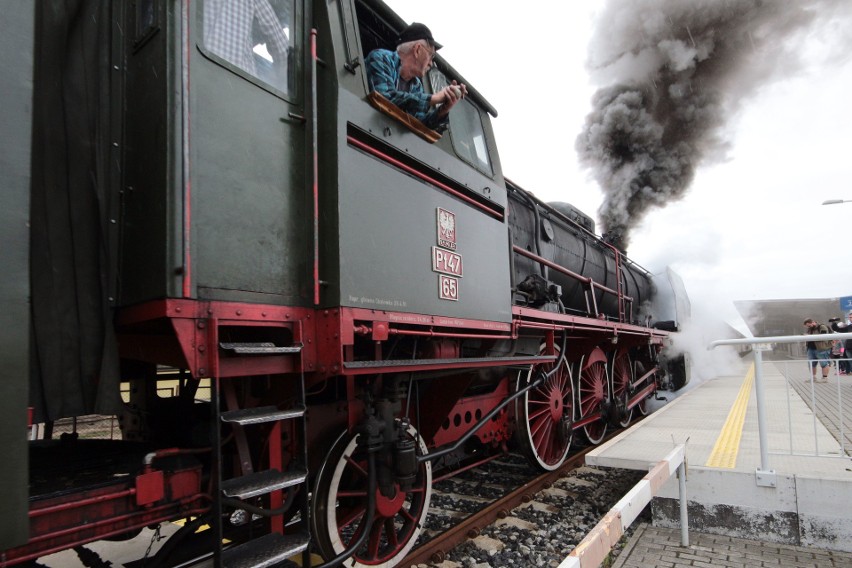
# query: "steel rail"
[435,550]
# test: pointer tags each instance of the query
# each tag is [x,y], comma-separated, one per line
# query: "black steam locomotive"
[297,301]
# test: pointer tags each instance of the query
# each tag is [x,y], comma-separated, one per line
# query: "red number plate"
[447,262]
[448,288]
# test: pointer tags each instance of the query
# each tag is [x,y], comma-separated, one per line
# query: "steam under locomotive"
[299,302]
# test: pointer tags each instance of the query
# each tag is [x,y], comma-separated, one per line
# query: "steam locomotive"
[298,302]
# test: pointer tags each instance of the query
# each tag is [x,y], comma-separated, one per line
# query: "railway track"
[444,531]
[464,506]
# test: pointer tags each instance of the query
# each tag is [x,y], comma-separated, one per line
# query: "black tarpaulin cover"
[75,361]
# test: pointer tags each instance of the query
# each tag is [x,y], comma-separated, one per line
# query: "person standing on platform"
[844,327]
[819,351]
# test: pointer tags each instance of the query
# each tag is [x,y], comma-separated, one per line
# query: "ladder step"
[261,483]
[263,348]
[266,551]
[260,415]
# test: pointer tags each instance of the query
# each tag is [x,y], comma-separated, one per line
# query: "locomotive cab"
[245,148]
[371,159]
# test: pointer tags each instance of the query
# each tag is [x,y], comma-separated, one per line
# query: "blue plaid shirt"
[383,76]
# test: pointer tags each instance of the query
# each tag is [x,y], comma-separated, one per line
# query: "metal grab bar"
[622,299]
[315,164]
[765,477]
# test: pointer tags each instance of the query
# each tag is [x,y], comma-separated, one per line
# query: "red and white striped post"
[593,549]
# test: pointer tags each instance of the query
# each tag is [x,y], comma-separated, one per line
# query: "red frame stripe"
[428,179]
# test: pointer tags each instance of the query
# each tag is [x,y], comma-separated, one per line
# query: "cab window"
[253,38]
[466,131]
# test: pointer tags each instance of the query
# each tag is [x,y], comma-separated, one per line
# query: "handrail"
[592,550]
[579,277]
[765,477]
[617,254]
[315,165]
[780,339]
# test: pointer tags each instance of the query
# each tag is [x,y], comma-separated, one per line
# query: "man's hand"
[449,96]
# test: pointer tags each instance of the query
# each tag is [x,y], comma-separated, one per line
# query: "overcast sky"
[751,226]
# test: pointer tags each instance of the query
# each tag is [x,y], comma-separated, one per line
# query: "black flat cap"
[417,31]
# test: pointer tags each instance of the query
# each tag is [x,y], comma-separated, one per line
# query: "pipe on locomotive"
[535,384]
[623,264]
[528,198]
[347,552]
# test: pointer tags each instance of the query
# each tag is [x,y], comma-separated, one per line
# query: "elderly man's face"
[417,62]
[423,56]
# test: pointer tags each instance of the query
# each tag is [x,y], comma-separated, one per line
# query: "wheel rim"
[592,395]
[340,503]
[545,416]
[621,379]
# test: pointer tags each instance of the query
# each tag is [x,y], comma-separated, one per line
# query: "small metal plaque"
[446,229]
[448,288]
[446,262]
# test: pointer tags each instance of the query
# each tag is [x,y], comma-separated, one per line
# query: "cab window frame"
[294,63]
[146,22]
[437,81]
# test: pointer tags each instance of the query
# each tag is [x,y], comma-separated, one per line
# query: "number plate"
[446,262]
[448,287]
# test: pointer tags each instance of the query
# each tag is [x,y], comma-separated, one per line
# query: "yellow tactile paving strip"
[724,454]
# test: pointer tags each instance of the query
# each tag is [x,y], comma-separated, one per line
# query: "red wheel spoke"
[374,540]
[541,433]
[355,465]
[345,517]
[536,426]
[538,394]
[543,412]
[390,530]
[355,536]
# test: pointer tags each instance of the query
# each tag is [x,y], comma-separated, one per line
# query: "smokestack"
[672,74]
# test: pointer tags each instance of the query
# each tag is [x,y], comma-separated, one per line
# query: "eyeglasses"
[430,52]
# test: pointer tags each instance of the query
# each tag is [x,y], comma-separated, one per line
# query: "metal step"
[260,415]
[261,482]
[266,551]
[263,348]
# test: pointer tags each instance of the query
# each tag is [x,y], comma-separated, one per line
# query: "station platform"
[655,546]
[801,499]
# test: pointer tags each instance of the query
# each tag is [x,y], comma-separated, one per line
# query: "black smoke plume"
[672,73]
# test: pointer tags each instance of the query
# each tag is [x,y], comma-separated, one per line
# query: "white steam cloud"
[671,74]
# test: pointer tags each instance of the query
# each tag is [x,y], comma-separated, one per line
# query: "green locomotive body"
[274,280]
